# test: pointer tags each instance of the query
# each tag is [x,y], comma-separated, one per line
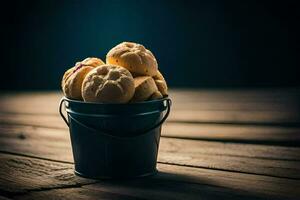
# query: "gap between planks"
[161,162]
[269,135]
[227,107]
[254,159]
[223,183]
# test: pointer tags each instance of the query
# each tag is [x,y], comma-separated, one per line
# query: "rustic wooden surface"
[216,144]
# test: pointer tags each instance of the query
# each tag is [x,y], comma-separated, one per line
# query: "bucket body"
[115,140]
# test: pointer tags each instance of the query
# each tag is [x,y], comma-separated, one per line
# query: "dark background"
[197,43]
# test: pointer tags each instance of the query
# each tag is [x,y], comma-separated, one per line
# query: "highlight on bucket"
[115,112]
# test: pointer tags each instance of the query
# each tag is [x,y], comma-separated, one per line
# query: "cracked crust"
[161,83]
[156,95]
[144,88]
[73,77]
[134,57]
[108,84]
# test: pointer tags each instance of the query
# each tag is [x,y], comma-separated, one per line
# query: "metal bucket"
[115,140]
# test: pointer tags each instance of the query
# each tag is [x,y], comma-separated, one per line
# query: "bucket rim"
[133,103]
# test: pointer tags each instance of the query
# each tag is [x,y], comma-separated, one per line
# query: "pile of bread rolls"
[130,74]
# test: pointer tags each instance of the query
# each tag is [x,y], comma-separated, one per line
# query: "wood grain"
[176,182]
[194,116]
[202,106]
[234,133]
[4,198]
[42,142]
[36,159]
[49,121]
[236,117]
[253,184]
[19,174]
[141,189]
[76,193]
[218,132]
[255,159]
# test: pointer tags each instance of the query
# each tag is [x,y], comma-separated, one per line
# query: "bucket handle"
[169,103]
[61,113]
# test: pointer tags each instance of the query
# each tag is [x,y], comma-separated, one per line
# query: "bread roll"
[144,88]
[156,95]
[73,77]
[134,57]
[91,61]
[161,83]
[108,84]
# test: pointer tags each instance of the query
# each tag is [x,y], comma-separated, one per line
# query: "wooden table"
[216,144]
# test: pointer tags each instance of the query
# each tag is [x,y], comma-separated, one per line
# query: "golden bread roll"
[91,61]
[108,84]
[66,76]
[156,95]
[72,79]
[161,83]
[144,88]
[134,57]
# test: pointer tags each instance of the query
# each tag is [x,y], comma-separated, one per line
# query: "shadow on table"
[170,186]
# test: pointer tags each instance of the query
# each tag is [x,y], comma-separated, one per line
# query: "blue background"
[197,43]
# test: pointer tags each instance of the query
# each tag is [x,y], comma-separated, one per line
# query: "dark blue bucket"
[115,140]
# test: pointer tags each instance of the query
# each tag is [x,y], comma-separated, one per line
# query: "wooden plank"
[215,132]
[255,159]
[53,142]
[182,100]
[236,183]
[242,94]
[235,117]
[236,100]
[195,106]
[30,102]
[234,133]
[76,193]
[181,155]
[50,121]
[176,182]
[54,121]
[141,189]
[180,95]
[251,184]
[4,198]
[42,142]
[19,174]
